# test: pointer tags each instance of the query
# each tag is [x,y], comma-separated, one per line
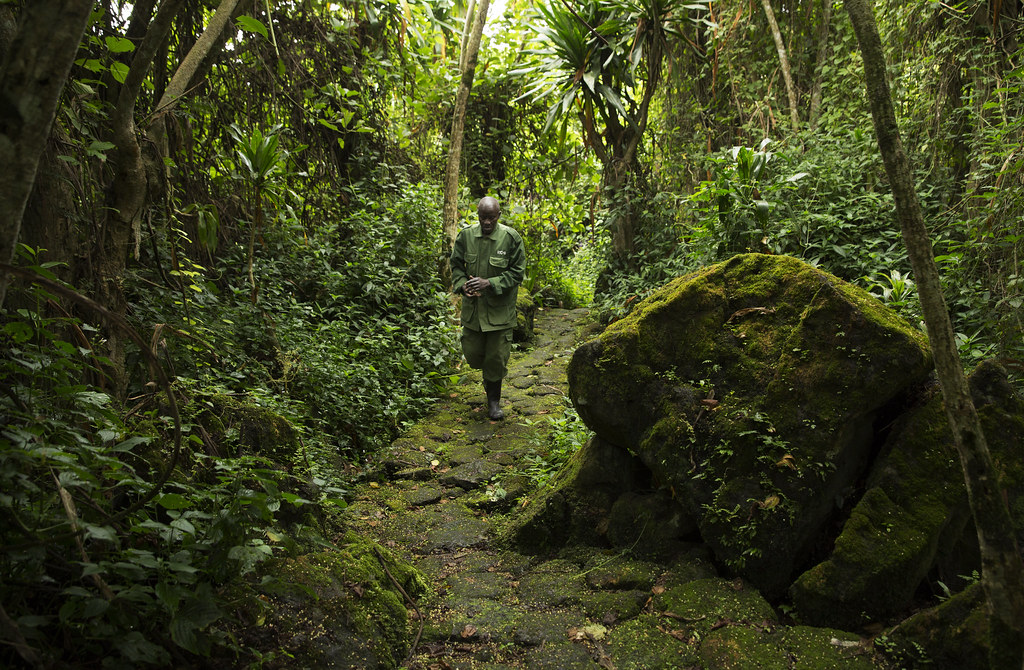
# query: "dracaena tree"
[602,60]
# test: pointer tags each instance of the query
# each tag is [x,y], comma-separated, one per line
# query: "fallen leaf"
[374,485]
[469,631]
[658,589]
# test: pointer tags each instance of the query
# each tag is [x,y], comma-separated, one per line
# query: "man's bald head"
[488,211]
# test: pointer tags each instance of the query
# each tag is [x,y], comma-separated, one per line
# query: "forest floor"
[447,487]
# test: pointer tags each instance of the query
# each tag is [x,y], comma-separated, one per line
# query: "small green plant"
[894,289]
[567,435]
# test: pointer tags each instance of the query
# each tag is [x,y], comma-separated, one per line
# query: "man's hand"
[475,286]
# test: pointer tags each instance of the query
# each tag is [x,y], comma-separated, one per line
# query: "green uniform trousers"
[488,351]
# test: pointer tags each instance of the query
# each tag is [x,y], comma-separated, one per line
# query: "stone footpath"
[448,485]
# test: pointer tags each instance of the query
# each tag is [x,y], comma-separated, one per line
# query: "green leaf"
[18,331]
[184,525]
[130,443]
[251,25]
[119,45]
[170,595]
[119,71]
[95,607]
[101,533]
[174,501]
[295,499]
[97,148]
[137,649]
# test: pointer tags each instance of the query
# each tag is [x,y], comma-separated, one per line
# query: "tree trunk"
[787,75]
[819,63]
[451,182]
[34,71]
[619,169]
[467,30]
[128,190]
[1003,577]
[178,86]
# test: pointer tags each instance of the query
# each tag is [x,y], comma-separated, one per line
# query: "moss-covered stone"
[690,565]
[796,648]
[612,606]
[232,427]
[742,648]
[704,604]
[621,572]
[750,389]
[337,609]
[556,583]
[826,649]
[647,642]
[914,511]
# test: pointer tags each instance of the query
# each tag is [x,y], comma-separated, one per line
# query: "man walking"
[488,262]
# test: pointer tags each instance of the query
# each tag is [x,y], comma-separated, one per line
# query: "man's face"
[488,214]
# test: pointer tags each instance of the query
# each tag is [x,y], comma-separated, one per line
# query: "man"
[488,263]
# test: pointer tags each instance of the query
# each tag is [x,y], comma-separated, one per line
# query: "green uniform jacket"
[500,258]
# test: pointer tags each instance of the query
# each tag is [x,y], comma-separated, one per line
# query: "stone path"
[446,488]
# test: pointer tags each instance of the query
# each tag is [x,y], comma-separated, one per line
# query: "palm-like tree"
[603,59]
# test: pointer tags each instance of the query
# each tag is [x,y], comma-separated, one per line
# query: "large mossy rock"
[334,609]
[913,515]
[751,390]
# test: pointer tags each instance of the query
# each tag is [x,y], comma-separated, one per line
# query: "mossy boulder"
[750,390]
[334,609]
[914,511]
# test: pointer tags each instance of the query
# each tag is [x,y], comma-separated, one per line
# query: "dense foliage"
[284,265]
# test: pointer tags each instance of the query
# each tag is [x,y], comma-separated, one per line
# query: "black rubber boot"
[494,400]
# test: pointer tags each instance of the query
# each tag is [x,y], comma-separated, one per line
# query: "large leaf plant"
[602,59]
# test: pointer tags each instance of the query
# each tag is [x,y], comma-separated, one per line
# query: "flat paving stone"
[424,495]
[472,475]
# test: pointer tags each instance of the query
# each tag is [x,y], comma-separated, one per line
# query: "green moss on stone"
[704,602]
[340,606]
[650,642]
[797,361]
